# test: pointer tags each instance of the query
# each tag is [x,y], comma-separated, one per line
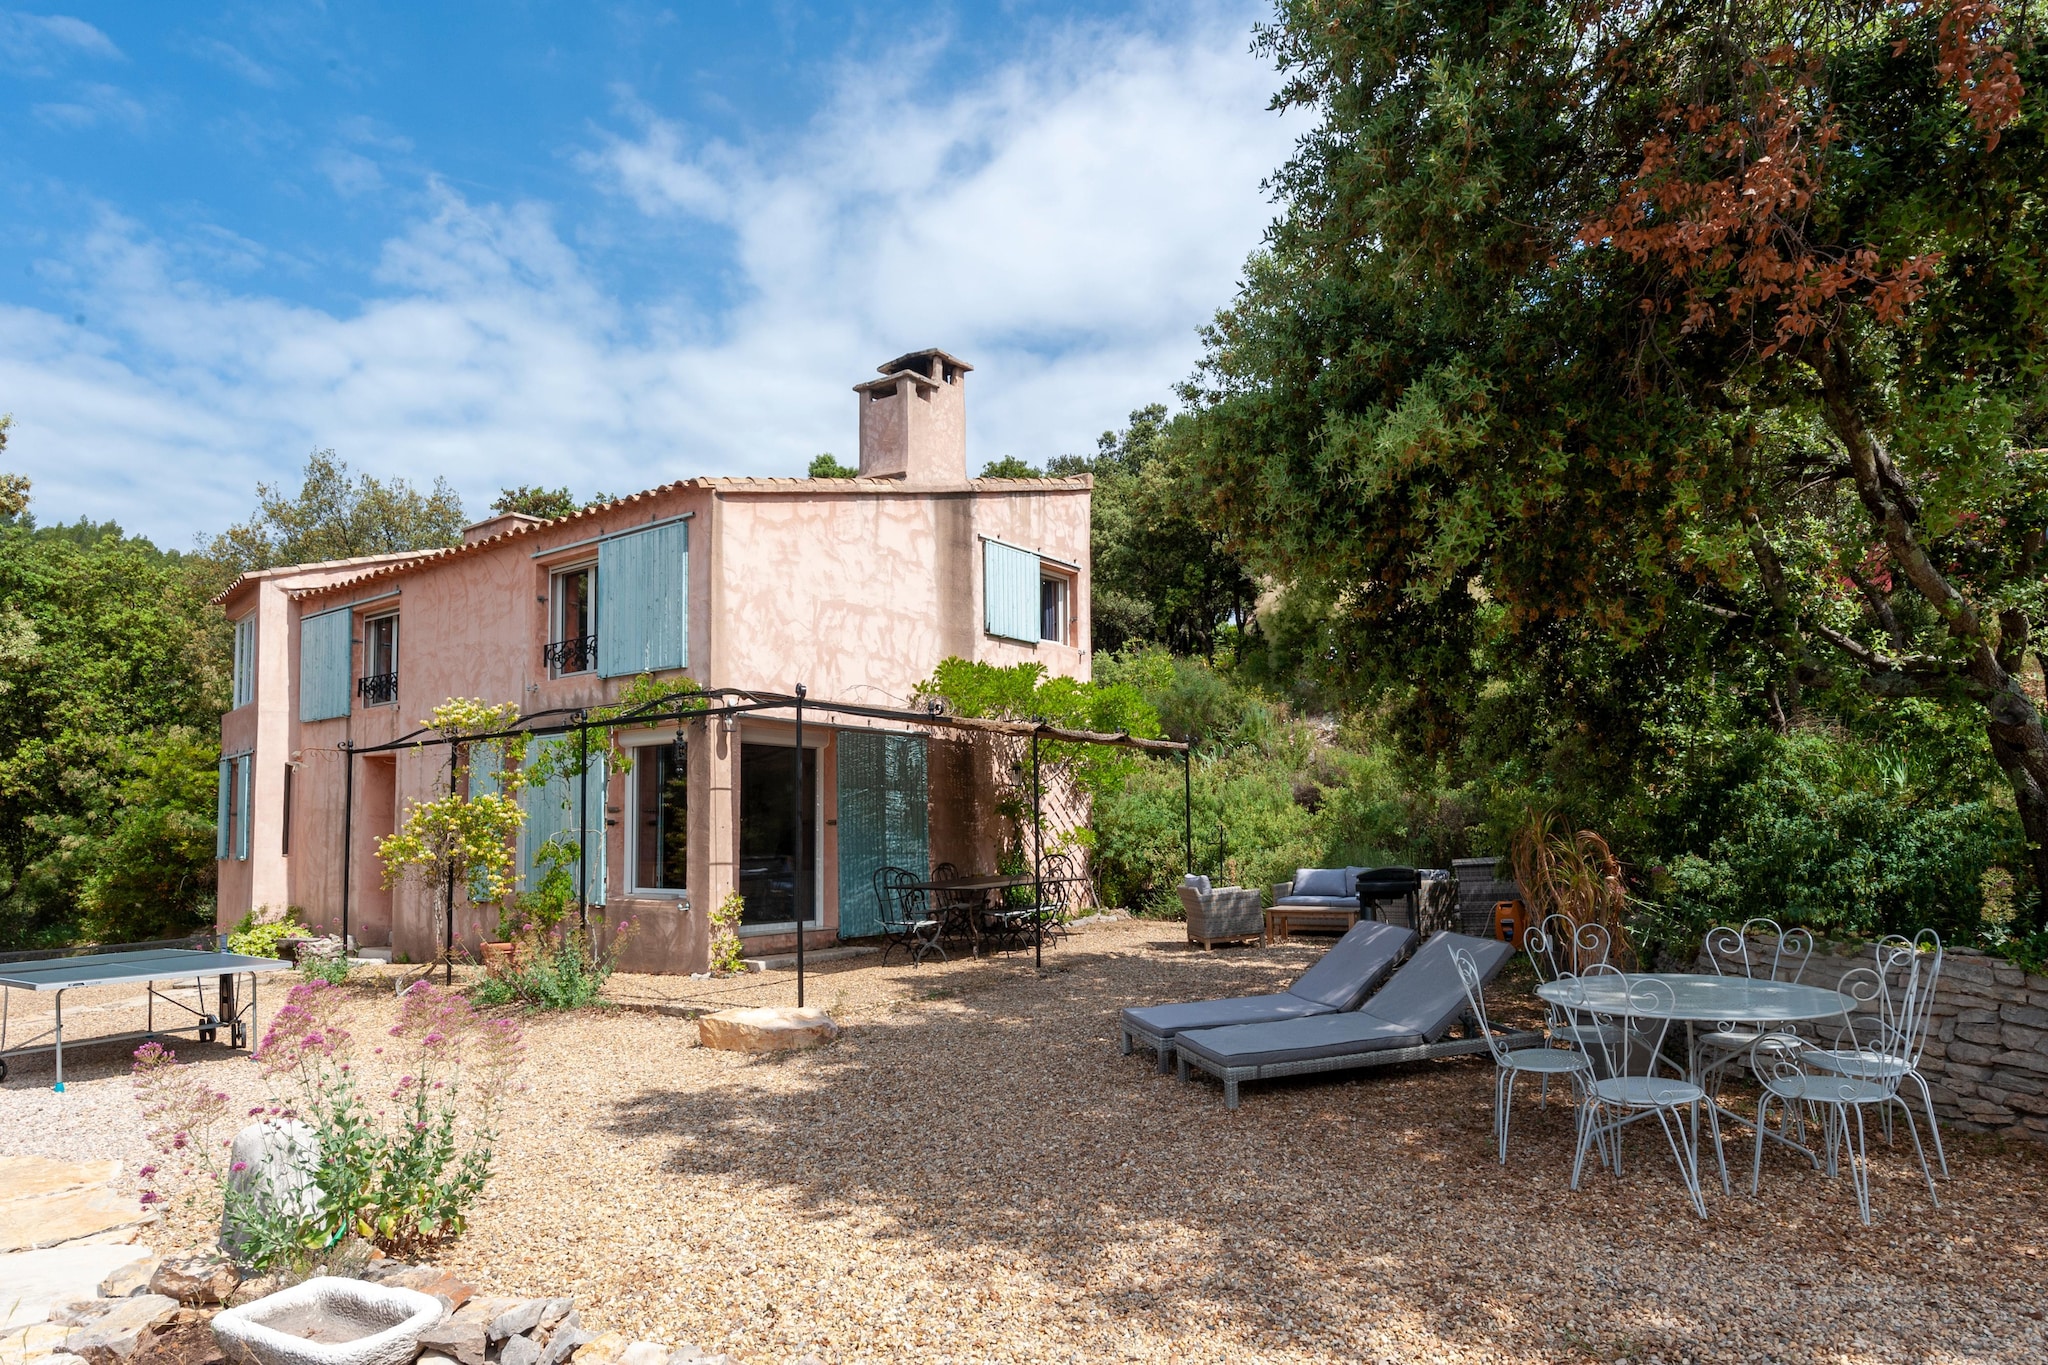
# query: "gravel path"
[972,1173]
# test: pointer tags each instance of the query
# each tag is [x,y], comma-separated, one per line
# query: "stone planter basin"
[328,1321]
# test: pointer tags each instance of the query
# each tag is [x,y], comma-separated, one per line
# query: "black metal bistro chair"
[906,916]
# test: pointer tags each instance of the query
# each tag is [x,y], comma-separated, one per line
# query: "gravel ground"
[973,1173]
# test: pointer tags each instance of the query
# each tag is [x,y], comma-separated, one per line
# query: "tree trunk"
[1987,672]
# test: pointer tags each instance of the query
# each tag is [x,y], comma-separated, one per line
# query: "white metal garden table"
[1712,1000]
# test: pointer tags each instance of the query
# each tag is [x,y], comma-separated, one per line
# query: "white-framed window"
[1055,607]
[572,620]
[245,660]
[378,685]
[660,839]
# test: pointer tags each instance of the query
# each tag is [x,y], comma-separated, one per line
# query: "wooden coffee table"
[1283,920]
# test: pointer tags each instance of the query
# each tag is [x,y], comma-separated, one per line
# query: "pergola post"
[796,862]
[448,901]
[348,813]
[1037,863]
[583,823]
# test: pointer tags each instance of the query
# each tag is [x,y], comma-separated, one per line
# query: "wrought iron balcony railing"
[377,688]
[575,655]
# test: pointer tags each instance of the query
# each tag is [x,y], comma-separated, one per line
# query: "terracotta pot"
[498,955]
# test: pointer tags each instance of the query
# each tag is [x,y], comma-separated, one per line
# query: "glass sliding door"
[772,881]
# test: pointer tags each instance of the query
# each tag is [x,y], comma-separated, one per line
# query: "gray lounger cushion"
[1168,1021]
[1354,965]
[1322,881]
[1418,1006]
[1340,979]
[1297,1040]
[1426,995]
[1321,902]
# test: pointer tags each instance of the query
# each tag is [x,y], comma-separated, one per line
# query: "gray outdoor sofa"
[1409,1020]
[1339,981]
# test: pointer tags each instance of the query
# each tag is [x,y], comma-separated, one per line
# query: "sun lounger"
[1409,1020]
[1341,978]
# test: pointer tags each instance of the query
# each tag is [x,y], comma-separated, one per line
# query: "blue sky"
[601,245]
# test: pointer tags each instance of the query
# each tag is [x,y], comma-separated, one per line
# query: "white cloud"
[236,62]
[29,40]
[1065,226]
[93,104]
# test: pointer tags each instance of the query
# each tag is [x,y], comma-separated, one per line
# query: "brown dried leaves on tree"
[1724,193]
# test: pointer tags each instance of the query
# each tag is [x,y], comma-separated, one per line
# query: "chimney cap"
[910,361]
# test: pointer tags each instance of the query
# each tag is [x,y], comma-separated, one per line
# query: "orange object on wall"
[1510,921]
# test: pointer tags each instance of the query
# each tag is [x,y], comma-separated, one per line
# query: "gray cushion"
[1321,902]
[1426,996]
[1165,1021]
[1351,879]
[1296,1040]
[1322,881]
[1195,880]
[1354,965]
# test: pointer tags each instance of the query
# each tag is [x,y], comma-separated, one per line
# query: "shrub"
[725,939]
[255,938]
[324,959]
[400,1172]
[1823,837]
[549,974]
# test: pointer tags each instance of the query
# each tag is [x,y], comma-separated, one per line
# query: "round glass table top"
[1678,995]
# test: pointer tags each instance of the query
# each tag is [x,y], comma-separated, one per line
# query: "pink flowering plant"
[405,1144]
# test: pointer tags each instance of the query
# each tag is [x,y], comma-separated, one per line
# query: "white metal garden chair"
[1790,1074]
[1559,950]
[1889,1040]
[1634,1037]
[1763,951]
[1511,1063]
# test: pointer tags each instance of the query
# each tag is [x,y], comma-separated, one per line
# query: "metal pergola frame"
[721,702]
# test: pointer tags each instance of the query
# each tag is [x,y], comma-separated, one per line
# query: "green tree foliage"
[827,466]
[545,503]
[1160,573]
[334,516]
[1010,467]
[1641,356]
[111,672]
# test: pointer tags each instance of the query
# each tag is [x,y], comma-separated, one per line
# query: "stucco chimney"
[497,526]
[913,420]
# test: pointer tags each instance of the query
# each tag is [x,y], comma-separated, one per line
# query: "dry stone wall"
[1987,1045]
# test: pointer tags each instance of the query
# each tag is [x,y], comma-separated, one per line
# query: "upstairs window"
[1055,617]
[245,660]
[379,683]
[572,643]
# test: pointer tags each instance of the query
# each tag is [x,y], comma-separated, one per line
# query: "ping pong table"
[146,966]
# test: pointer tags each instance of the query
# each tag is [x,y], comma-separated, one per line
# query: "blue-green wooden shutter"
[242,815]
[909,804]
[551,809]
[884,808]
[1009,591]
[863,829]
[643,601]
[324,665]
[245,660]
[222,806]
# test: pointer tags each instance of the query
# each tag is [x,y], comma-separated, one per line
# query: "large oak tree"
[1604,318]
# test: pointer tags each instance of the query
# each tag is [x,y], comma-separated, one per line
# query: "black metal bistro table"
[959,890]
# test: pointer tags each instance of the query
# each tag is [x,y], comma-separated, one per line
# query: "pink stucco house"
[857,588]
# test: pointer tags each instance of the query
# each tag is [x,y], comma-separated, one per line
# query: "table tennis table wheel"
[239,1034]
[207,1028]
[3,1070]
